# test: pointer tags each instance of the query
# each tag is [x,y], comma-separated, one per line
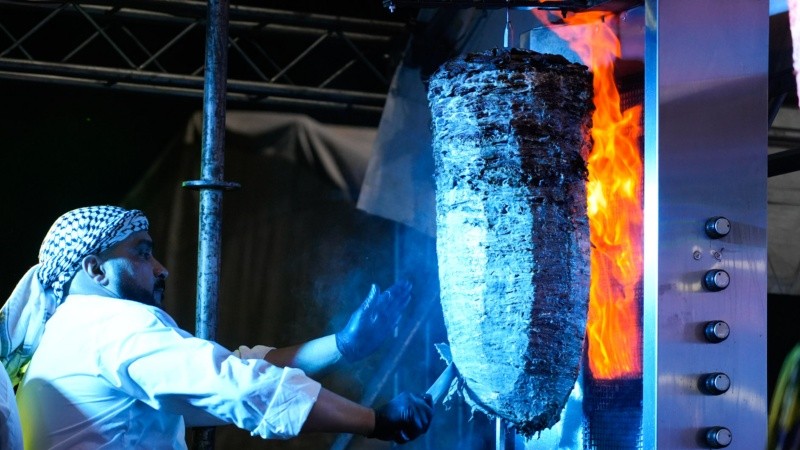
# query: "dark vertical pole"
[212,168]
[211,183]
[505,437]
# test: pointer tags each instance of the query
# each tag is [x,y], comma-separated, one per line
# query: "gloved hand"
[403,419]
[372,322]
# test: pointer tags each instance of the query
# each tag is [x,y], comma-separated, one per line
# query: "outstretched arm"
[335,414]
[403,419]
[367,328]
[312,357]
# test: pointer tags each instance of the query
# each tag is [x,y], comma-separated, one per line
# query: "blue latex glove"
[403,419]
[372,322]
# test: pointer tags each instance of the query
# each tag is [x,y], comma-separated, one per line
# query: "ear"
[92,265]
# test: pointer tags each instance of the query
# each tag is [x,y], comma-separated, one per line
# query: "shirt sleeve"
[257,352]
[171,370]
[10,428]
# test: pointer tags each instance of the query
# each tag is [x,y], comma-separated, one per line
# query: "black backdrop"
[63,147]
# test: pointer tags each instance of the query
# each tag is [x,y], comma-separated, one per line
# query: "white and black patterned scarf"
[73,236]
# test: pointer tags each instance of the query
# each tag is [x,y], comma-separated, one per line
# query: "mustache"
[160,284]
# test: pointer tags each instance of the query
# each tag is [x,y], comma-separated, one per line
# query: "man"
[112,370]
[10,429]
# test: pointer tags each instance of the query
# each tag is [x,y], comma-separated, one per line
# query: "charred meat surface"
[511,137]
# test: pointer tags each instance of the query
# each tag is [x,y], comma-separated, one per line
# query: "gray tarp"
[783,221]
[399,181]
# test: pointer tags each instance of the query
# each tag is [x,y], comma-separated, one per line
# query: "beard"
[129,290]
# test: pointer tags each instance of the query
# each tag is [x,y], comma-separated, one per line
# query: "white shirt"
[112,373]
[10,431]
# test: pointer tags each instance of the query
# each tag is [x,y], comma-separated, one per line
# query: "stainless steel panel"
[705,156]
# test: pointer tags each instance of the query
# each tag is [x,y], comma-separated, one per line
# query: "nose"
[159,270]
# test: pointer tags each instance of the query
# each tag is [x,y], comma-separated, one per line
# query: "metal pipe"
[18,42]
[167,46]
[256,88]
[370,113]
[211,184]
[302,55]
[564,5]
[503,435]
[775,105]
[102,32]
[171,10]
[787,161]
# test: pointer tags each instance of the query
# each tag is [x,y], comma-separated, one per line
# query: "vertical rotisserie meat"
[511,137]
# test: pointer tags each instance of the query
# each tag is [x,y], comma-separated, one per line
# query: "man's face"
[133,272]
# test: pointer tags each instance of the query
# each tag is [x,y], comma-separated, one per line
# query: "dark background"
[65,147]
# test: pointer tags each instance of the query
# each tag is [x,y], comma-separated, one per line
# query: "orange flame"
[614,204]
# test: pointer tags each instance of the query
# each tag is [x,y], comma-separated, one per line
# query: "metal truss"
[278,59]
[562,5]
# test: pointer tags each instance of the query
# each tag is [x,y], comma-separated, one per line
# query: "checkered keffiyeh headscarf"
[79,233]
[73,236]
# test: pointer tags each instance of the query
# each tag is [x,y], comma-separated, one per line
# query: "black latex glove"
[403,419]
[372,322]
